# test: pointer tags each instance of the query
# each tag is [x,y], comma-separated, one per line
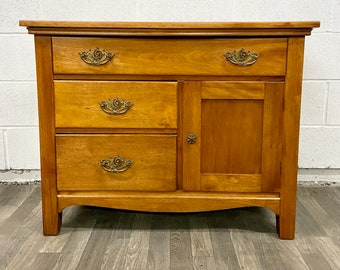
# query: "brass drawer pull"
[242,57]
[116,164]
[96,57]
[115,106]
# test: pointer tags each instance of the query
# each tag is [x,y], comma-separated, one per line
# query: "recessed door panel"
[238,130]
[232,142]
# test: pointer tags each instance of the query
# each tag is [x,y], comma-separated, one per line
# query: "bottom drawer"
[116,162]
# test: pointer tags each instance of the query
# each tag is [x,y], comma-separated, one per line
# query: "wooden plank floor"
[96,238]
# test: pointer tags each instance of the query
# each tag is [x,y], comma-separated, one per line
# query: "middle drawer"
[119,104]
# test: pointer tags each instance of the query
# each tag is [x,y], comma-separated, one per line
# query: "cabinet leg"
[285,226]
[51,223]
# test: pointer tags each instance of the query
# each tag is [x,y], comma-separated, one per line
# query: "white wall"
[320,122]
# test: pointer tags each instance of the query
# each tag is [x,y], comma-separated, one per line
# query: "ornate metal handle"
[115,106]
[242,57]
[116,164]
[191,138]
[96,57]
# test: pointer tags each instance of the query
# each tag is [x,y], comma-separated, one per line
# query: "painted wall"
[320,119]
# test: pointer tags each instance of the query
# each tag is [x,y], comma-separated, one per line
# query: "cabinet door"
[232,136]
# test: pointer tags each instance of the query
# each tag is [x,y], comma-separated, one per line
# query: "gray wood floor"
[96,238]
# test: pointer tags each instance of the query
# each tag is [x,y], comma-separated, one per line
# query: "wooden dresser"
[169,117]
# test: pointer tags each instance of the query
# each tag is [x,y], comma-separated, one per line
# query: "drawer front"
[116,162]
[115,104]
[152,56]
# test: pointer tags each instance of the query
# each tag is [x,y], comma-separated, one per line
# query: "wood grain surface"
[173,56]
[154,104]
[79,162]
[102,28]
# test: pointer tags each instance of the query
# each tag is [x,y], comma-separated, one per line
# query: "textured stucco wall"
[320,119]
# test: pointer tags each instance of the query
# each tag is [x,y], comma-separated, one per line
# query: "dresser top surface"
[101,28]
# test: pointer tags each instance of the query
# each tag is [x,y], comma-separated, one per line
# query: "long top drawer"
[170,56]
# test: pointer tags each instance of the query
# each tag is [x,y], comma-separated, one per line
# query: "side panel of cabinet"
[52,219]
[238,130]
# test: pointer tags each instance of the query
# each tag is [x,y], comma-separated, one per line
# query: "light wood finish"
[191,125]
[101,238]
[138,77]
[100,28]
[231,182]
[171,25]
[203,133]
[240,150]
[233,90]
[153,165]
[169,56]
[154,104]
[290,137]
[272,136]
[67,130]
[46,131]
[178,201]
